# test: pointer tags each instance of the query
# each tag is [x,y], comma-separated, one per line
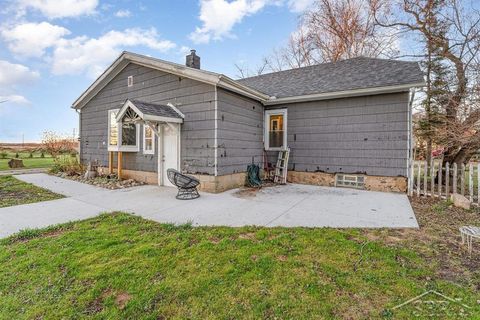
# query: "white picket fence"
[462,179]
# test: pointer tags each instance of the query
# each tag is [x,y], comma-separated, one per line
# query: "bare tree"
[333,30]
[454,90]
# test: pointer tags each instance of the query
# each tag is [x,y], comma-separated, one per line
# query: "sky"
[52,50]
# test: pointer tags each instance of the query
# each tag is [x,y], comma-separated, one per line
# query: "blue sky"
[51,50]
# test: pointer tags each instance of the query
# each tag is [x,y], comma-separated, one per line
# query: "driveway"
[292,205]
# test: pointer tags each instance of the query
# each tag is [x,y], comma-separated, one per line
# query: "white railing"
[463,179]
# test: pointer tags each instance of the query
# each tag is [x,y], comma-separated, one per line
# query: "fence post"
[425,181]
[478,183]
[447,179]
[462,179]
[440,174]
[454,186]
[470,181]
[419,177]
[432,179]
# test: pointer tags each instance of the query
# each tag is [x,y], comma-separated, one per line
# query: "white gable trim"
[148,117]
[125,58]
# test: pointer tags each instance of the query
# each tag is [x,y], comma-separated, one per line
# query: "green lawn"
[118,266]
[14,192]
[29,163]
[36,161]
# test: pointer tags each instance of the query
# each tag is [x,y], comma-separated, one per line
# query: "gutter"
[344,94]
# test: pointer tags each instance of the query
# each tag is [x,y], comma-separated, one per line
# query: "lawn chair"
[187,185]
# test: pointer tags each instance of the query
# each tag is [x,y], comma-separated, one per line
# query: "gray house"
[346,123]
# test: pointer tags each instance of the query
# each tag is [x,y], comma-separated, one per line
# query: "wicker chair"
[187,185]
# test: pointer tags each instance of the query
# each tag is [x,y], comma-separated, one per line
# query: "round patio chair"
[187,185]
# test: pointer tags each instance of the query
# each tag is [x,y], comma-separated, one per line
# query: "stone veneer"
[209,183]
[372,183]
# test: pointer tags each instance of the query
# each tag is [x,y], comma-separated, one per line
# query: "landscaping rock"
[460,201]
[15,163]
[105,181]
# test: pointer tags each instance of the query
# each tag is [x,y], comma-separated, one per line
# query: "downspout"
[410,159]
[215,137]
[79,134]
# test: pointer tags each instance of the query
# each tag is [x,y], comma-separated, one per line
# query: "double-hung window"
[148,140]
[122,136]
[276,129]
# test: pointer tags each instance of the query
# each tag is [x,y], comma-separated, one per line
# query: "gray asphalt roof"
[155,109]
[355,73]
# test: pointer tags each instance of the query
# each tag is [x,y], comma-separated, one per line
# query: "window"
[112,130]
[349,180]
[276,129]
[130,81]
[148,140]
[124,137]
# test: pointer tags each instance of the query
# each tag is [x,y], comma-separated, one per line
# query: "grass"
[119,266]
[36,161]
[15,192]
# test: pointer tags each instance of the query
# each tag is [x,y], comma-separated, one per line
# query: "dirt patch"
[121,299]
[247,236]
[438,239]
[248,192]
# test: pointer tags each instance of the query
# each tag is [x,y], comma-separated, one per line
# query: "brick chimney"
[193,61]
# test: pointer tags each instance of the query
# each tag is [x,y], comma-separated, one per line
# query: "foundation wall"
[372,183]
[212,184]
[142,176]
[208,183]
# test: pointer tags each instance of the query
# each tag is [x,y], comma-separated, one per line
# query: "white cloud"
[13,99]
[53,9]
[31,39]
[219,16]
[13,74]
[91,55]
[123,14]
[299,5]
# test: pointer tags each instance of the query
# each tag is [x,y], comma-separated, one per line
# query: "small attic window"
[130,81]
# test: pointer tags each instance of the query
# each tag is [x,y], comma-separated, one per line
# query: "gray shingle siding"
[194,99]
[351,135]
[240,132]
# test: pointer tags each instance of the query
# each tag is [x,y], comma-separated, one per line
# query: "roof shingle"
[351,74]
[155,109]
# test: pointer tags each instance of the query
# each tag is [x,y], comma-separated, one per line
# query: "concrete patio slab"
[292,205]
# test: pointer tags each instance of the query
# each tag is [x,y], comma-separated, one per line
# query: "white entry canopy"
[139,111]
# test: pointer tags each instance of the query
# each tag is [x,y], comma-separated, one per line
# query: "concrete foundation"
[212,184]
[208,183]
[372,183]
[142,176]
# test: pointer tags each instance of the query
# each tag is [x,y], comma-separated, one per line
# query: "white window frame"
[145,151]
[112,147]
[119,146]
[275,112]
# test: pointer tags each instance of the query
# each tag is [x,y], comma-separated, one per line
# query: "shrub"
[30,155]
[68,165]
[17,156]
[42,155]
[3,154]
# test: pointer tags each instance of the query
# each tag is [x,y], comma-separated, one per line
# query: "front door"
[170,148]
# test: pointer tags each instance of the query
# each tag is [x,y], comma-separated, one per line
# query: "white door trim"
[161,150]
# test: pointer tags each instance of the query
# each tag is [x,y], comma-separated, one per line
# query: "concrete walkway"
[22,171]
[290,206]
